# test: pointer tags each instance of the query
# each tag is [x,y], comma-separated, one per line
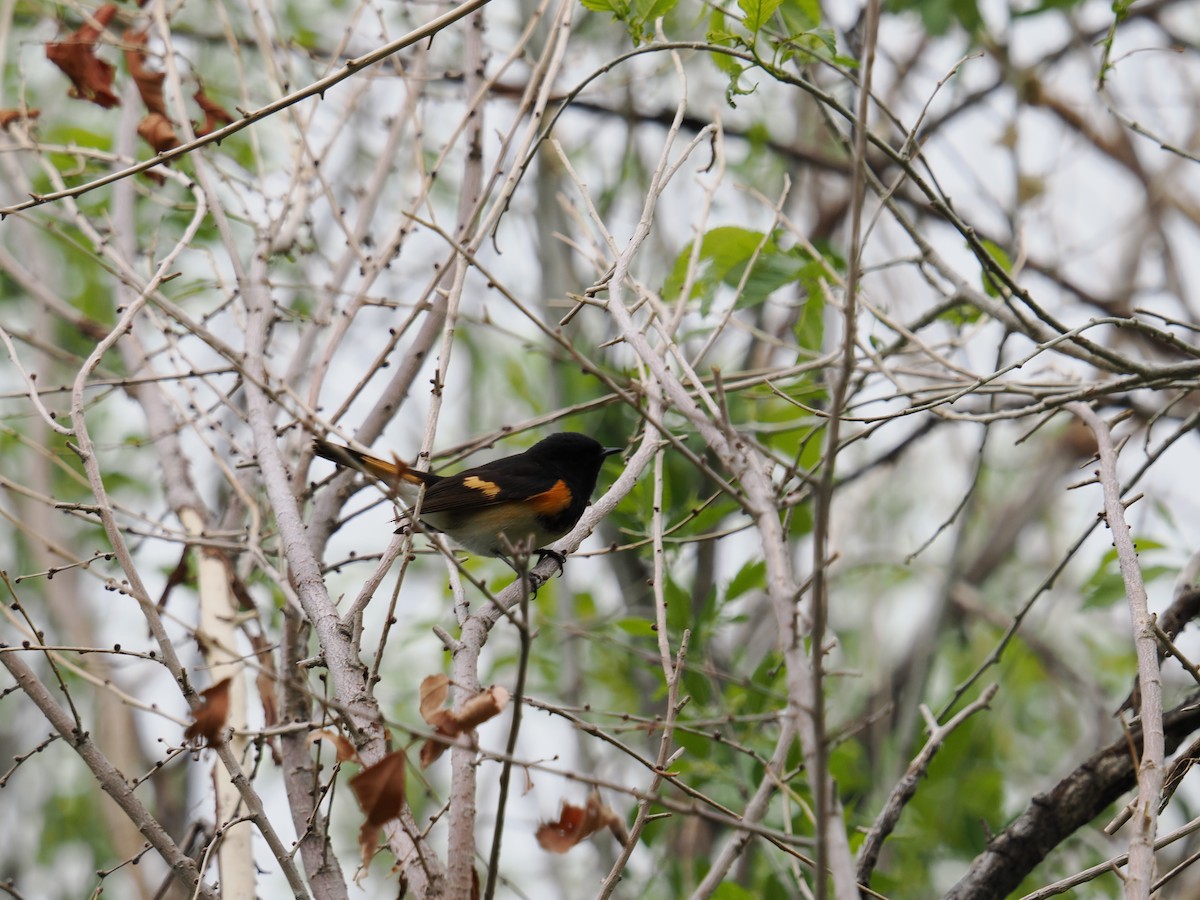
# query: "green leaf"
[698,746]
[817,44]
[772,270]
[801,522]
[1002,259]
[1120,7]
[962,314]
[1106,586]
[616,7]
[679,608]
[646,11]
[725,252]
[638,16]
[720,249]
[810,324]
[749,577]
[719,33]
[939,16]
[729,247]
[731,67]
[698,684]
[636,626]
[800,15]
[757,12]
[728,890]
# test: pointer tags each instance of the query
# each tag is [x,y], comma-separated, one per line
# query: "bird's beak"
[609,451]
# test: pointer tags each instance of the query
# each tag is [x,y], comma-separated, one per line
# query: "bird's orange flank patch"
[553,501]
[474,482]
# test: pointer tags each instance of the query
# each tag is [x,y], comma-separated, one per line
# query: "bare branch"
[1150,765]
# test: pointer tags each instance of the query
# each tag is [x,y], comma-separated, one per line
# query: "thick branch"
[1055,815]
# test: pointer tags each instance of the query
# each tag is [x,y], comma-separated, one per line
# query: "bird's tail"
[394,473]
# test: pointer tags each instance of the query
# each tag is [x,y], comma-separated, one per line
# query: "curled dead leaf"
[433,693]
[8,116]
[149,82]
[577,823]
[483,706]
[91,77]
[345,750]
[264,682]
[434,748]
[380,792]
[157,131]
[449,724]
[209,718]
[215,115]
[369,838]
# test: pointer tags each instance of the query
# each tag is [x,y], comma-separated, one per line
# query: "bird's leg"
[536,581]
[517,559]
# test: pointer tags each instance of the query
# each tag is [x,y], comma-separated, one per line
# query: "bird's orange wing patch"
[553,501]
[488,488]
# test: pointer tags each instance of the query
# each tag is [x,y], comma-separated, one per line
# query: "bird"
[526,500]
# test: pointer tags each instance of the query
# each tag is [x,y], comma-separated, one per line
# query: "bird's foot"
[536,581]
[545,554]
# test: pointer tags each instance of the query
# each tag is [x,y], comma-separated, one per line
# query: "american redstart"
[529,500]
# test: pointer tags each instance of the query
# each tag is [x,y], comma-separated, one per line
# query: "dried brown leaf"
[380,788]
[178,576]
[434,691]
[157,131]
[577,823]
[265,682]
[483,706]
[369,838]
[449,724]
[209,718]
[345,750]
[91,77]
[434,748]
[8,116]
[149,82]
[215,115]
[240,592]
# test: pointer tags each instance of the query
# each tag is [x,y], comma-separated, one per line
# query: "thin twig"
[906,788]
[526,642]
